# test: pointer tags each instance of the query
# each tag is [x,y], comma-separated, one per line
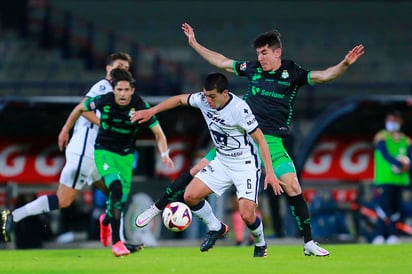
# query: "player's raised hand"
[354,54]
[189,32]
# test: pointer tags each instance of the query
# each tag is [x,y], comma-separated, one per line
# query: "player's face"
[215,99]
[268,58]
[123,92]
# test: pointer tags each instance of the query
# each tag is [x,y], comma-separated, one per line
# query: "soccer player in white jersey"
[237,137]
[80,167]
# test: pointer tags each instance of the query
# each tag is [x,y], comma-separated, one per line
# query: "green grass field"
[357,258]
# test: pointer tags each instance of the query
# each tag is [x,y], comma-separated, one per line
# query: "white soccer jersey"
[229,127]
[85,132]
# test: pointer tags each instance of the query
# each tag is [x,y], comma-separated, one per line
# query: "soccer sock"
[115,208]
[299,210]
[204,211]
[257,231]
[42,204]
[175,190]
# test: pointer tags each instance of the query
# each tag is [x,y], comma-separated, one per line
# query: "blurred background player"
[80,167]
[392,152]
[115,144]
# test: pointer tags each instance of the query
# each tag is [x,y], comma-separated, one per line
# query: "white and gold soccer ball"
[177,216]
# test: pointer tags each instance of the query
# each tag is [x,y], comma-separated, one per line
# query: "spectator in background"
[80,168]
[392,152]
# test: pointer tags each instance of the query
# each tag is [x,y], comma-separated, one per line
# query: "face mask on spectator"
[392,126]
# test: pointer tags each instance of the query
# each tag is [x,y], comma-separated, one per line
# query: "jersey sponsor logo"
[284,83]
[215,119]
[102,87]
[250,122]
[242,66]
[256,90]
[233,154]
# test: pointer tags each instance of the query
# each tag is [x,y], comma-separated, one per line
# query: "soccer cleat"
[212,237]
[133,248]
[378,240]
[147,216]
[260,251]
[105,231]
[6,224]
[313,248]
[119,249]
[393,240]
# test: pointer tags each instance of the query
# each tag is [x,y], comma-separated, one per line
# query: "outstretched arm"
[142,116]
[331,73]
[214,58]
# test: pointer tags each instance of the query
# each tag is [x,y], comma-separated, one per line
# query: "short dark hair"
[119,74]
[394,112]
[216,80]
[118,56]
[270,38]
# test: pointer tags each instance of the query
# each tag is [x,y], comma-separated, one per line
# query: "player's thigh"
[196,190]
[76,171]
[291,184]
[246,180]
[215,177]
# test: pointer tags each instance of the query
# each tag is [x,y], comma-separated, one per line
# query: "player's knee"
[292,188]
[190,199]
[116,191]
[65,201]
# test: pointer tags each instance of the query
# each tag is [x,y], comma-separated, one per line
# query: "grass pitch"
[356,258]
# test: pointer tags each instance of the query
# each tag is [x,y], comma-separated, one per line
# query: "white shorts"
[245,176]
[78,171]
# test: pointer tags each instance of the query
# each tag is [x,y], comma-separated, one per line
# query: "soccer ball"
[177,216]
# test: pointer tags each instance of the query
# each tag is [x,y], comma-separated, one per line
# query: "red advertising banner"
[28,160]
[181,152]
[341,159]
[38,161]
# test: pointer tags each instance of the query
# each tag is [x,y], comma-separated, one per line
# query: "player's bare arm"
[214,58]
[334,72]
[142,116]
[162,145]
[91,116]
[63,138]
[270,178]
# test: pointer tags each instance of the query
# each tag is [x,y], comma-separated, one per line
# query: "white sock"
[208,217]
[258,235]
[36,207]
